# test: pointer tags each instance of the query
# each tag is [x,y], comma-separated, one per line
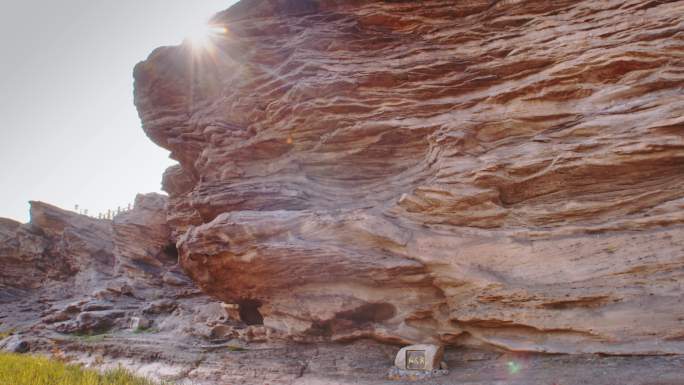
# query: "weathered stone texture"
[499,173]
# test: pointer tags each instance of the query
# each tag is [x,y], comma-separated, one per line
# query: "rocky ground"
[92,315]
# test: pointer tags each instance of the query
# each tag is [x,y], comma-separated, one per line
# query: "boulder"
[96,305]
[91,322]
[160,306]
[15,344]
[222,332]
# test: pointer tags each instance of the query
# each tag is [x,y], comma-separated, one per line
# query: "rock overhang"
[478,166]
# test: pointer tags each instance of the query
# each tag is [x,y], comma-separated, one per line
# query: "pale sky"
[69,132]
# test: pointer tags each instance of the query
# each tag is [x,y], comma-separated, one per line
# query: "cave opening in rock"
[249,312]
[357,318]
[171,252]
[369,312]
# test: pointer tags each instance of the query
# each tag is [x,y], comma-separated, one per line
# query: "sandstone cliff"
[497,173]
[66,275]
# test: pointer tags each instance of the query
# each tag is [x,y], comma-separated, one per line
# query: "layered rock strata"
[66,275]
[498,173]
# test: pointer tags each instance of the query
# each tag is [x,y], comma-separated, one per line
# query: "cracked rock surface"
[488,173]
[501,178]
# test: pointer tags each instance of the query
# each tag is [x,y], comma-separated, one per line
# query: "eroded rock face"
[499,173]
[22,255]
[55,245]
[142,238]
[65,274]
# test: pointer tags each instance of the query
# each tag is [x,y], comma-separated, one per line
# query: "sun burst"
[202,35]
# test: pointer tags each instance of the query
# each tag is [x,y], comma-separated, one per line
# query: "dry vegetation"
[16,369]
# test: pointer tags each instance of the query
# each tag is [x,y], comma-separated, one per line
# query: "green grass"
[93,338]
[17,369]
[88,338]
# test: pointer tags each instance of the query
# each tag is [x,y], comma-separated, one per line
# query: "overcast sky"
[69,133]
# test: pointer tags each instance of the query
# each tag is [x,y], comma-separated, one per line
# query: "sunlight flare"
[201,35]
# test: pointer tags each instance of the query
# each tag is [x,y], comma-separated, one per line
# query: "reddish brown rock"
[21,255]
[59,245]
[66,273]
[80,242]
[55,245]
[142,239]
[499,173]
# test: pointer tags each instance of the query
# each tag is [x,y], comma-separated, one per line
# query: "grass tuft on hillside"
[17,369]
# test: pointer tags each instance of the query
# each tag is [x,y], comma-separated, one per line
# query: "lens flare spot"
[513,367]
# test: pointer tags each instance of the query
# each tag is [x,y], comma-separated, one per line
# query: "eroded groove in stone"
[504,173]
